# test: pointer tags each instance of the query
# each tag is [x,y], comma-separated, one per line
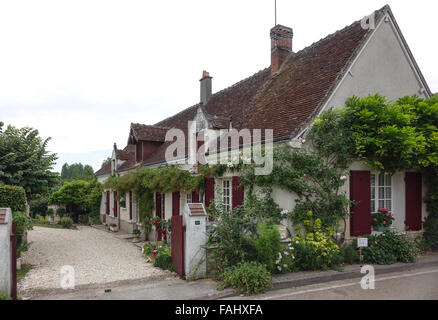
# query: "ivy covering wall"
[13,197]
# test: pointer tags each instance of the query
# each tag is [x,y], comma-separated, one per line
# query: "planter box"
[113,229]
[381,229]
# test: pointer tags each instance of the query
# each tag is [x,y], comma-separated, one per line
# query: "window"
[226,194]
[381,191]
[189,198]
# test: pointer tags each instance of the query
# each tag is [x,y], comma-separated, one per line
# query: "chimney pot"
[281,46]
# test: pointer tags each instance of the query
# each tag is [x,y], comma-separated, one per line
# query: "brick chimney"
[281,46]
[205,87]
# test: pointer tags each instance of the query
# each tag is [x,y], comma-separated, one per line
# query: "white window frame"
[227,194]
[188,198]
[381,192]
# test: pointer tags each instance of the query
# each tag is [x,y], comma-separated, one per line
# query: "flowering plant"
[383,218]
[156,221]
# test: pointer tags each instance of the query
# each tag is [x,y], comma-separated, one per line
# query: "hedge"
[13,197]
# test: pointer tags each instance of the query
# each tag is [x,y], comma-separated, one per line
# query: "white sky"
[82,71]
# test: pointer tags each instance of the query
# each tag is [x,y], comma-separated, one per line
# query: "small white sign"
[362,242]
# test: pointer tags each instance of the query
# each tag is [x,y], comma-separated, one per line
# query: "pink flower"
[375,219]
[387,214]
[384,222]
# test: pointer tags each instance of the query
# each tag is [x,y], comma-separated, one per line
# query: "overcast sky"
[82,71]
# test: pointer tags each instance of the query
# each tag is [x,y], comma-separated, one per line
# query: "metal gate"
[177,244]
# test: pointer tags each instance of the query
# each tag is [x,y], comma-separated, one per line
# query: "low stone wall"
[5,251]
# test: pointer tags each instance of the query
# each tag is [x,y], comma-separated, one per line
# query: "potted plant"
[382,220]
[136,233]
[157,222]
[113,227]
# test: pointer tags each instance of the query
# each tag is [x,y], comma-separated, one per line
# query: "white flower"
[286,253]
[285,265]
[284,212]
[279,268]
[230,165]
[344,178]
[297,242]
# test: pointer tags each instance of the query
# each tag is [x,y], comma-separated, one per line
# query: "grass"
[52,225]
[25,268]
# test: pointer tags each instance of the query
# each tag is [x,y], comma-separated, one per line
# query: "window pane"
[381,204]
[388,205]
[388,193]
[381,179]
[373,180]
[373,193]
[373,206]
[388,180]
[381,192]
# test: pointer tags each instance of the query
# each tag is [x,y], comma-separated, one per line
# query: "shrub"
[383,218]
[60,212]
[286,261]
[431,232]
[93,218]
[12,197]
[66,222]
[49,212]
[247,277]
[389,248]
[350,253]
[267,244]
[24,223]
[148,248]
[315,250]
[163,258]
[4,296]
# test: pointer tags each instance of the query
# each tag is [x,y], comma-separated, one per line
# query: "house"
[369,56]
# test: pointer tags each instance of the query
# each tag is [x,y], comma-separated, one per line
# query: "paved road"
[420,284]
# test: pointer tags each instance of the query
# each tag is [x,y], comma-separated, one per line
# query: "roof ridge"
[151,126]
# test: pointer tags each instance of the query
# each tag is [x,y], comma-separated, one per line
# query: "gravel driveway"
[97,257]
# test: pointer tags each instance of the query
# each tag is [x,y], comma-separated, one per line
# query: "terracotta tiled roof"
[106,169]
[286,101]
[2,216]
[127,153]
[148,133]
[292,97]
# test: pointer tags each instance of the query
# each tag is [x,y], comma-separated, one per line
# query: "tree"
[106,161]
[77,171]
[25,161]
[80,197]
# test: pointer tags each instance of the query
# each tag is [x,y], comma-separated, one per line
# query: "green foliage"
[431,232]
[50,212]
[148,248]
[315,249]
[3,295]
[24,223]
[24,160]
[38,204]
[163,258]
[247,277]
[77,171]
[66,222]
[383,218]
[267,244]
[389,248]
[79,196]
[105,162]
[146,181]
[61,212]
[12,197]
[350,253]
[92,218]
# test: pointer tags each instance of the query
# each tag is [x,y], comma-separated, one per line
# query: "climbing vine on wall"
[145,181]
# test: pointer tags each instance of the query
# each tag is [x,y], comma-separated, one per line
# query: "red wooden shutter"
[158,204]
[107,208]
[195,197]
[130,205]
[237,192]
[115,204]
[360,213]
[209,191]
[175,203]
[413,185]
